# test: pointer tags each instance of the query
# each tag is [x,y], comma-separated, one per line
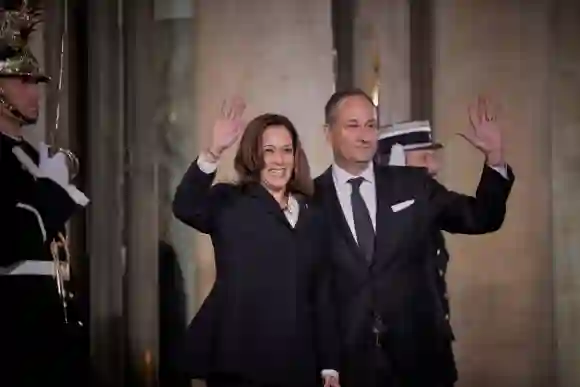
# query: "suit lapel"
[303,224]
[391,227]
[267,202]
[337,215]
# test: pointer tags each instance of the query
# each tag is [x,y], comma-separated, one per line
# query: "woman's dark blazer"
[269,316]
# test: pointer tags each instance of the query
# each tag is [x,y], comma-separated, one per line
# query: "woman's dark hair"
[249,160]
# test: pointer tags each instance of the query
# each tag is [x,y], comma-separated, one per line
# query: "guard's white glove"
[54,168]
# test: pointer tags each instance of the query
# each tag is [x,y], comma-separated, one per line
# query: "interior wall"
[500,284]
[565,141]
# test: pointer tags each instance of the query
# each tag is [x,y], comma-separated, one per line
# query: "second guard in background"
[36,201]
[411,144]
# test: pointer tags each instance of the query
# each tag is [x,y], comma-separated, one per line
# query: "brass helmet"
[16,59]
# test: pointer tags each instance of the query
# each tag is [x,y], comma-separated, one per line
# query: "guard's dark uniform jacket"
[441,262]
[438,267]
[36,340]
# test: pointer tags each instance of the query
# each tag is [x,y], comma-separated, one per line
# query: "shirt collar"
[292,207]
[341,177]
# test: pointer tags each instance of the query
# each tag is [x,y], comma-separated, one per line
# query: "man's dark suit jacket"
[398,285]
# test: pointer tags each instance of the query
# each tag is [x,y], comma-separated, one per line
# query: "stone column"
[174,70]
[105,180]
[500,284]
[422,53]
[343,42]
[382,56]
[142,275]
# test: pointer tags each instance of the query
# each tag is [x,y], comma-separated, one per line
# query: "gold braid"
[61,269]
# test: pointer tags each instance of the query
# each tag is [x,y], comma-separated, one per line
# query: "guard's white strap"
[417,146]
[36,268]
[38,217]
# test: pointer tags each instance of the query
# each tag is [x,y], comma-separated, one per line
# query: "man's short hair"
[336,98]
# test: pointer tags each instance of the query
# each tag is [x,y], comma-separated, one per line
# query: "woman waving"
[269,320]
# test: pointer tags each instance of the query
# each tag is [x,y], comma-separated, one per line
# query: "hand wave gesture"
[229,126]
[486,132]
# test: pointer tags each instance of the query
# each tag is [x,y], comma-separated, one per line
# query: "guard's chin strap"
[14,111]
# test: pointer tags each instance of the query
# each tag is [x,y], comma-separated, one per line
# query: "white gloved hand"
[54,168]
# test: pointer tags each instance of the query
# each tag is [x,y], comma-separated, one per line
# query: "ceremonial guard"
[36,201]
